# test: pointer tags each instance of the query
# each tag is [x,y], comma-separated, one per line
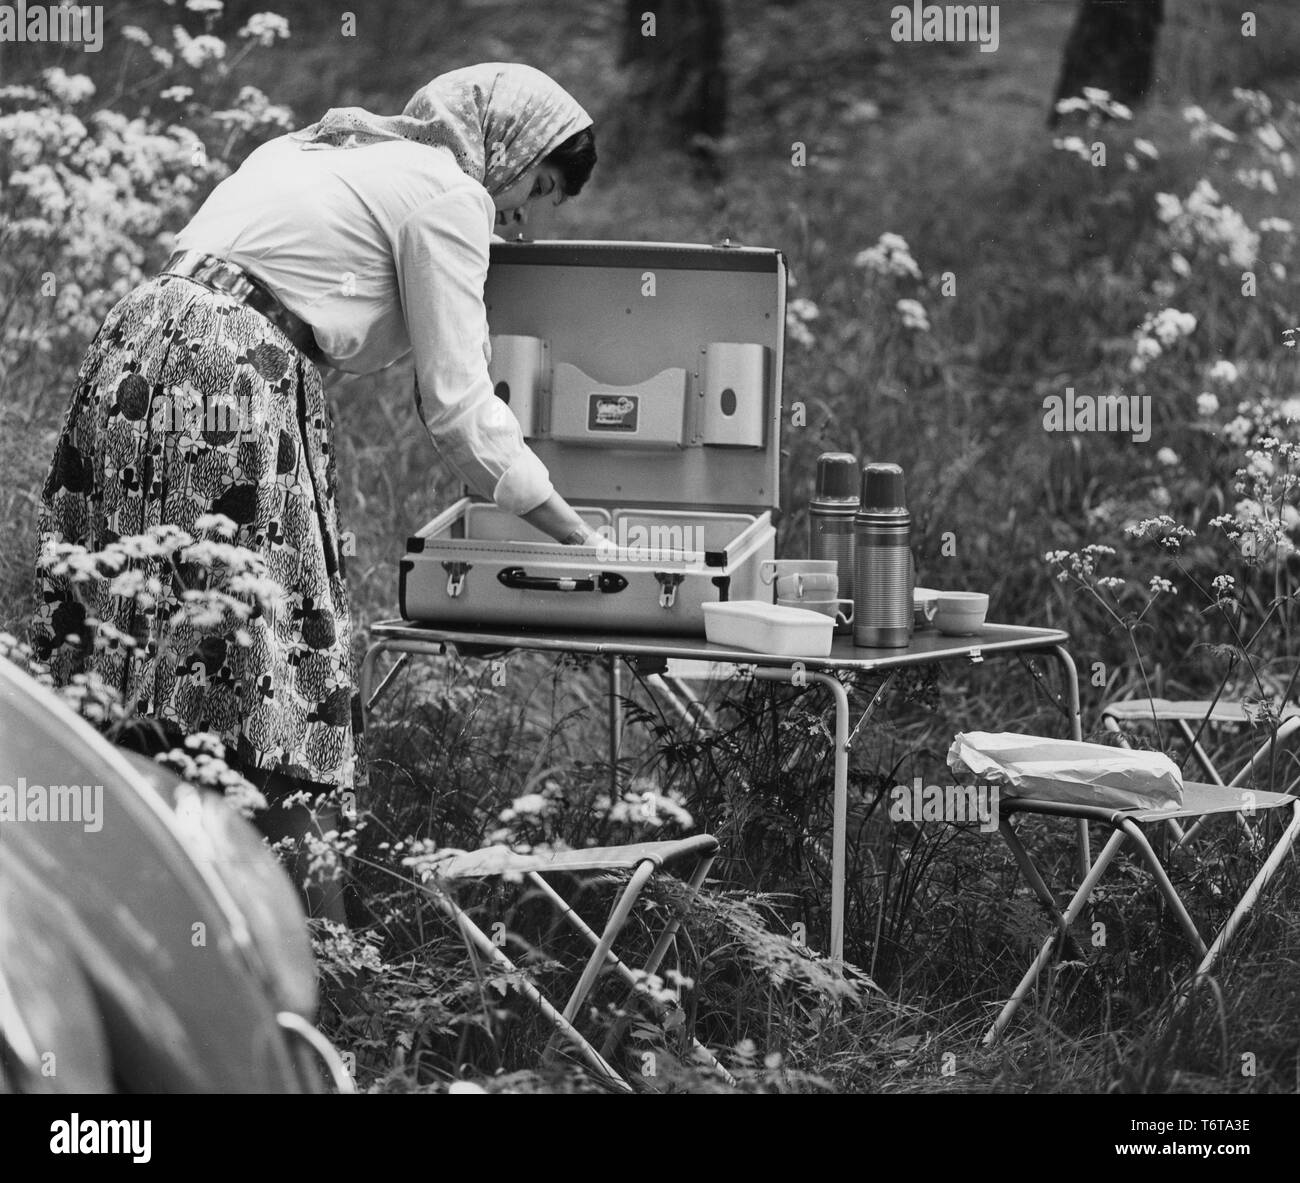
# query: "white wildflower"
[891,256]
[914,315]
[1224,371]
[67,88]
[265,27]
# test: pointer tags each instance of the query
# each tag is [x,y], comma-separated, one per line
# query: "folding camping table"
[650,653]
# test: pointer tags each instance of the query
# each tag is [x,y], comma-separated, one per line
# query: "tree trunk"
[677,90]
[1112,47]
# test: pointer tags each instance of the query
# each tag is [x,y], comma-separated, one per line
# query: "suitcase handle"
[520,580]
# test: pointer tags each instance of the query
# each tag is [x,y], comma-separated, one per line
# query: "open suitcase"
[647,377]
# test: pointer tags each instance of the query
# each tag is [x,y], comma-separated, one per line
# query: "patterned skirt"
[189,403]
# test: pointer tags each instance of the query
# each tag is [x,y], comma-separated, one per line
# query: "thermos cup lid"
[837,477]
[882,487]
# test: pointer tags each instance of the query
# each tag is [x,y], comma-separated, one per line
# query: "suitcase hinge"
[668,581]
[456,573]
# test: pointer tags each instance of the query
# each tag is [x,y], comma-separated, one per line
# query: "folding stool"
[1200,800]
[642,859]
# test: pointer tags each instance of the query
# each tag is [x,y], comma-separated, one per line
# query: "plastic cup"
[771,569]
[827,606]
[817,585]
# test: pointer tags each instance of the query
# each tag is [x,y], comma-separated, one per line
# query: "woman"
[350,244]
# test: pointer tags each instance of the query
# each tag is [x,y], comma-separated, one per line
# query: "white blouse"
[364,242]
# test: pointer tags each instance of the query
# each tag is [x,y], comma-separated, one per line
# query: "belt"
[221,275]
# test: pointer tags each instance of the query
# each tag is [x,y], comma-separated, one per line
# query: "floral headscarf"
[498,119]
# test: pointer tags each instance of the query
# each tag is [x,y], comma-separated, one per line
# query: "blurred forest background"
[959,253]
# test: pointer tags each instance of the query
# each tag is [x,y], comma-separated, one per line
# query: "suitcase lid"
[622,323]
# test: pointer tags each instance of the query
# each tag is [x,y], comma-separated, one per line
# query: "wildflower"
[67,88]
[1167,457]
[798,313]
[217,523]
[1257,178]
[1204,128]
[1224,371]
[206,7]
[1225,587]
[1170,324]
[1270,137]
[265,27]
[1160,585]
[1162,529]
[1275,225]
[653,986]
[1180,264]
[1204,219]
[1260,466]
[891,256]
[1238,431]
[529,803]
[914,315]
[1206,403]
[198,51]
[1168,207]
[1157,333]
[176,94]
[1074,145]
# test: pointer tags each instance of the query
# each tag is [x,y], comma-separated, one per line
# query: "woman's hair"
[575,158]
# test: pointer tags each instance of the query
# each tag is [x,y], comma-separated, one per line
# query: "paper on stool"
[1068,771]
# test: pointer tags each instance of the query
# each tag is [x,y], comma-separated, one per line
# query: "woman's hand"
[556,517]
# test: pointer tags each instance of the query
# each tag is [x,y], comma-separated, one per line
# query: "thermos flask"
[882,576]
[830,517]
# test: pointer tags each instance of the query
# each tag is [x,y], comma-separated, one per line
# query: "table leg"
[615,723]
[840,798]
[1076,732]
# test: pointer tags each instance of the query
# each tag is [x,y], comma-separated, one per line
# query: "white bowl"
[961,614]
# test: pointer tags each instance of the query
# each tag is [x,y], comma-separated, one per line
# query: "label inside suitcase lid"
[644,373]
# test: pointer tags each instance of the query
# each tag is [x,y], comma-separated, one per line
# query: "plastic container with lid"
[761,627]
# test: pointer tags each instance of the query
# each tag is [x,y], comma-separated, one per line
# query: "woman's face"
[541,185]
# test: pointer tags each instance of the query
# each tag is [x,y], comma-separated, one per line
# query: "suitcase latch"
[668,581]
[456,573]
